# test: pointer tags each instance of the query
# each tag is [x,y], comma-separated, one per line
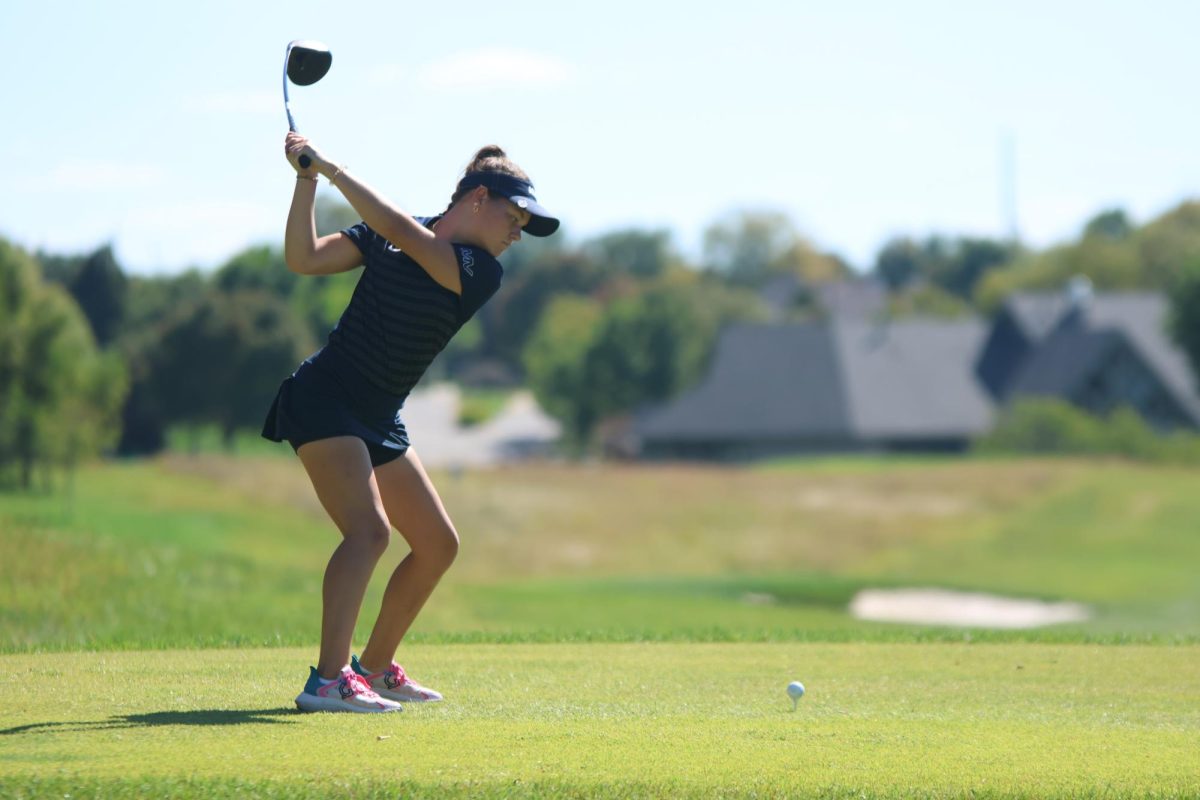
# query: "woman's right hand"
[295,146]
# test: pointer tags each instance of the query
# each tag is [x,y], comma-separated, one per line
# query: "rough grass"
[617,720]
[206,551]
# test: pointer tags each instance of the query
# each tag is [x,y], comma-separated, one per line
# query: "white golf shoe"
[347,692]
[393,684]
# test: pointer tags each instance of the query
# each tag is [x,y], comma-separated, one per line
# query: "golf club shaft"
[305,161]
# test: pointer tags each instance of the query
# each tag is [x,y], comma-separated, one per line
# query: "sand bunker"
[941,607]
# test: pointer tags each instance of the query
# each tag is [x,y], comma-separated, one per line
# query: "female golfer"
[423,278]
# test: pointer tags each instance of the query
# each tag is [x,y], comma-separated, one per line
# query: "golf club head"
[307,62]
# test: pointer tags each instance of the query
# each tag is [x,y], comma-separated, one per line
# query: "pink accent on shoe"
[394,684]
[394,676]
[349,683]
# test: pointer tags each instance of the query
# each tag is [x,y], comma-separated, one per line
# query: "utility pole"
[1008,185]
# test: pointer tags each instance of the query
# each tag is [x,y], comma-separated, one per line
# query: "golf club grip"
[305,161]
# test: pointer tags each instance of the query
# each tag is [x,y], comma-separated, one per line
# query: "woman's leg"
[341,473]
[416,511]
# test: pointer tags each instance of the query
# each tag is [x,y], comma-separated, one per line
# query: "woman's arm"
[435,256]
[305,252]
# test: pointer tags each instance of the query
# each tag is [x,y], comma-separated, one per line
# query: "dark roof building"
[850,384]
[1098,352]
[840,385]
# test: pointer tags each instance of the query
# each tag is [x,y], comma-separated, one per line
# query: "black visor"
[541,222]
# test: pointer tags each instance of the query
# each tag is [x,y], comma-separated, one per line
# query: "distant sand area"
[942,607]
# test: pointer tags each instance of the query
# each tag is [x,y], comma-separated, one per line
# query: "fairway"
[620,720]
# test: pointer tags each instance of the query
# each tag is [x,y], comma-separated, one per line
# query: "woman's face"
[498,223]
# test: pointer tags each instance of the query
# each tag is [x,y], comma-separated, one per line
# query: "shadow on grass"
[156,719]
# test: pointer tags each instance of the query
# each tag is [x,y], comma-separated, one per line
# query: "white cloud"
[496,68]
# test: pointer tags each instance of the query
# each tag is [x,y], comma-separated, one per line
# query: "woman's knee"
[371,534]
[440,549]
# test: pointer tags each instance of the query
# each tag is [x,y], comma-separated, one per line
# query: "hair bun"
[487,157]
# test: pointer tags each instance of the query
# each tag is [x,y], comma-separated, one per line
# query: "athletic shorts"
[325,397]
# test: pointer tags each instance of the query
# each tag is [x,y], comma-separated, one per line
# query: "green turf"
[879,720]
[622,720]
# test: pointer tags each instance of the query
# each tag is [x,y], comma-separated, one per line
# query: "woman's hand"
[295,146]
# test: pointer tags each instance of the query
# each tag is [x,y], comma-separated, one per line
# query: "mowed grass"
[617,720]
[213,551]
[611,631]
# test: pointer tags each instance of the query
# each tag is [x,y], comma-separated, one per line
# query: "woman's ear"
[478,195]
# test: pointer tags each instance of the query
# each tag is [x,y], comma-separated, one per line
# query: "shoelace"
[358,684]
[397,672]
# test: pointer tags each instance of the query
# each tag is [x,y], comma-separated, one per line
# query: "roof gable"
[1037,313]
[1142,318]
[764,381]
[1063,361]
[913,378]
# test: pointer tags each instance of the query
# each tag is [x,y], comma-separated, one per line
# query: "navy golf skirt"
[325,397]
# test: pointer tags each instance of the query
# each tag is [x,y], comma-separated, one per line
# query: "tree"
[510,317]
[59,395]
[640,254]
[60,269]
[586,361]
[222,357]
[967,261]
[646,348]
[1167,243]
[1112,224]
[1111,252]
[18,287]
[554,360]
[151,302]
[258,268]
[271,342]
[1183,321]
[754,247]
[319,300]
[928,300]
[900,262]
[100,289]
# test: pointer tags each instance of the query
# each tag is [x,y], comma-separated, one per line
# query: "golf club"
[305,63]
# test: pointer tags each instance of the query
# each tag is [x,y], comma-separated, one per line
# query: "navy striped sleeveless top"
[399,318]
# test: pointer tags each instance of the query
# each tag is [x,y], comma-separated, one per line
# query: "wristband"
[305,178]
[335,175]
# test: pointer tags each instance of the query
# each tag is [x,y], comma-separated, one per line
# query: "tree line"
[95,360]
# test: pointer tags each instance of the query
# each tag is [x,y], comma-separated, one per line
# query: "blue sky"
[159,126]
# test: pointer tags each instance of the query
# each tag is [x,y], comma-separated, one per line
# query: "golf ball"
[795,690]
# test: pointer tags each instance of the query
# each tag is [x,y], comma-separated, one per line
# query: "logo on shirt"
[468,261]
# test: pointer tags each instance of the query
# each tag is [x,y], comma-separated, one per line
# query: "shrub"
[1055,427]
